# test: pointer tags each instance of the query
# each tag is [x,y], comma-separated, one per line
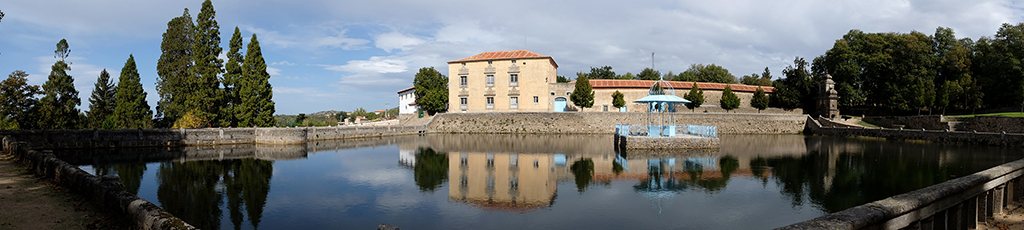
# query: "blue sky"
[343,55]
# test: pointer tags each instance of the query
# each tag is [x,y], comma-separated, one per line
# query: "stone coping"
[108,191]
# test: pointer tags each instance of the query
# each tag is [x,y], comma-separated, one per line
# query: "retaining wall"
[973,137]
[604,122]
[66,139]
[931,122]
[996,124]
[107,191]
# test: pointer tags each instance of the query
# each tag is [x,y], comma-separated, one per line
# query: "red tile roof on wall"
[606,83]
[505,55]
[406,89]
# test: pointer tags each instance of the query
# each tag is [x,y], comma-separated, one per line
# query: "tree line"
[905,73]
[196,89]
[695,73]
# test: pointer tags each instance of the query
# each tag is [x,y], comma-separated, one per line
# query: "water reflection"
[195,190]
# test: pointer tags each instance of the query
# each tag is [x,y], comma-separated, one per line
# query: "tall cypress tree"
[257,107]
[59,106]
[583,95]
[174,69]
[232,76]
[132,110]
[204,94]
[101,103]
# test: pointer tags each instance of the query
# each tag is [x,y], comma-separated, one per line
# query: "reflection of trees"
[131,176]
[840,178]
[189,190]
[430,170]
[727,165]
[617,168]
[583,170]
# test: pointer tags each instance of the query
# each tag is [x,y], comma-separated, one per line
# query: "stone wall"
[70,139]
[107,191]
[974,137]
[604,122]
[996,124]
[929,122]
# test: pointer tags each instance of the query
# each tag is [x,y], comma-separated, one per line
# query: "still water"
[530,182]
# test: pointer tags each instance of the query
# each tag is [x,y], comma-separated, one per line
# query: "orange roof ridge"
[503,55]
[615,83]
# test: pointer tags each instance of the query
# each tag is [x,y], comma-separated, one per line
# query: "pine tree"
[132,110]
[232,77]
[583,95]
[174,69]
[204,94]
[695,96]
[729,99]
[257,107]
[101,103]
[59,106]
[760,101]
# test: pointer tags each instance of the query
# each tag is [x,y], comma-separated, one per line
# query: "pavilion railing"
[657,131]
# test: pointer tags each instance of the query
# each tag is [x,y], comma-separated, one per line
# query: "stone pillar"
[828,99]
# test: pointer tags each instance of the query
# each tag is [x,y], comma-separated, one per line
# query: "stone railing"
[107,191]
[960,203]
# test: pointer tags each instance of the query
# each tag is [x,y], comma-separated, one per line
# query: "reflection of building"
[502,181]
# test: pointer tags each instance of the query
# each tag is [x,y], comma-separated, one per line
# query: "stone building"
[502,81]
[407,102]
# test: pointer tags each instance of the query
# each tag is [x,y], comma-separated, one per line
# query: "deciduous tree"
[604,72]
[649,74]
[431,90]
[102,102]
[561,79]
[18,105]
[132,110]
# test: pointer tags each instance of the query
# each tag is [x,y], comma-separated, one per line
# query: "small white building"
[407,101]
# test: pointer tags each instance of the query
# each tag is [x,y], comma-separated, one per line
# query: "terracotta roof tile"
[608,83]
[406,89]
[505,55]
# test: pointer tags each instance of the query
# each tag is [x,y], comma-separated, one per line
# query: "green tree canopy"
[604,72]
[257,107]
[583,95]
[617,99]
[204,86]
[431,90]
[131,111]
[649,74]
[102,101]
[729,99]
[59,105]
[796,90]
[231,81]
[18,105]
[561,79]
[174,69]
[760,100]
[695,96]
[706,73]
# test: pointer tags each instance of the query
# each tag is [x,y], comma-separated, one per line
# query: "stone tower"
[828,99]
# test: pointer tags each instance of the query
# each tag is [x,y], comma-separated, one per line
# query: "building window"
[490,80]
[463,81]
[490,102]
[513,80]
[513,61]
[514,102]
[536,100]
[463,103]
[606,108]
[489,62]
[552,93]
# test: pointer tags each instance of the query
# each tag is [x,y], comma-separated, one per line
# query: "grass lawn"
[1010,114]
[869,125]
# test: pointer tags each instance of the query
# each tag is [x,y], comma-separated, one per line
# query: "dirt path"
[29,202]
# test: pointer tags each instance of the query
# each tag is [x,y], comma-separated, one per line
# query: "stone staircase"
[957,123]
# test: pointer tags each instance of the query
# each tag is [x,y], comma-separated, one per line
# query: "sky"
[344,55]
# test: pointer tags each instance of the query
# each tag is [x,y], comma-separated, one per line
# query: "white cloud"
[283,63]
[396,41]
[309,37]
[273,71]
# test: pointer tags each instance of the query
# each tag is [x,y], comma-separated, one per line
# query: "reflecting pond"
[531,181]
